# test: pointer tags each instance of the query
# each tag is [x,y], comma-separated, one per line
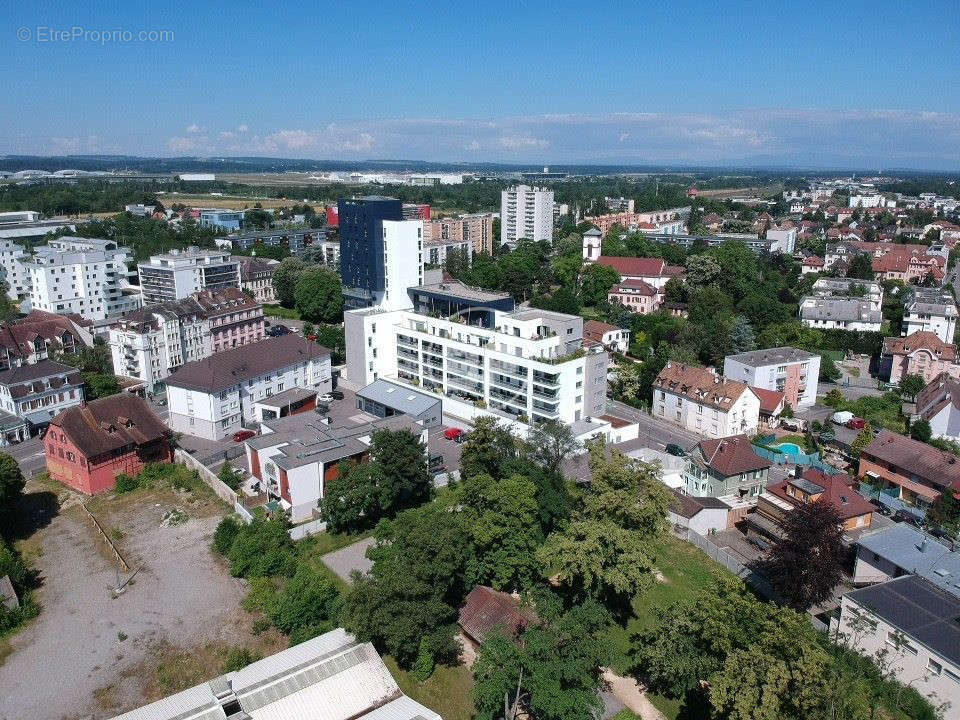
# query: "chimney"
[923,544]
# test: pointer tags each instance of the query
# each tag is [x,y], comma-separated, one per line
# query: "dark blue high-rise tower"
[361,247]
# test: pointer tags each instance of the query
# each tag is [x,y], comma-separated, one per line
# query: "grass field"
[448,691]
[281,312]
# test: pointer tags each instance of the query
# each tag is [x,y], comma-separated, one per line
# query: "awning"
[40,417]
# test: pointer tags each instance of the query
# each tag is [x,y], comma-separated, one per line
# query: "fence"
[220,488]
[895,504]
[106,538]
[298,532]
[715,552]
[780,458]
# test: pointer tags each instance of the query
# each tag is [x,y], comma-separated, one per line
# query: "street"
[29,456]
[655,433]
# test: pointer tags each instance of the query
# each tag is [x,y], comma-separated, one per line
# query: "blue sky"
[813,84]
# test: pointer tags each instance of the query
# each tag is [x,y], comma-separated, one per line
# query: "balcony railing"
[464,384]
[508,382]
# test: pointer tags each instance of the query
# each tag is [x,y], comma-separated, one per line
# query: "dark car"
[337,394]
[278,330]
[241,435]
[321,408]
[674,449]
[436,462]
[880,507]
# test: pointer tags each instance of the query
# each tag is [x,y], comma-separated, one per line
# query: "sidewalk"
[627,691]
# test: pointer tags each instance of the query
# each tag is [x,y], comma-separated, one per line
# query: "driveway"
[353,557]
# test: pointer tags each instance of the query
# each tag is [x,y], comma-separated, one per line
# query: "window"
[933,667]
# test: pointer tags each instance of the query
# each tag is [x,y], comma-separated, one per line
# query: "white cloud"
[521,142]
[194,128]
[181,144]
[242,128]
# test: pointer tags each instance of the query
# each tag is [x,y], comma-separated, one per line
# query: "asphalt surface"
[29,456]
[654,432]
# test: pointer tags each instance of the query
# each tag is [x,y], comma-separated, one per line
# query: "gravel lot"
[352,557]
[90,656]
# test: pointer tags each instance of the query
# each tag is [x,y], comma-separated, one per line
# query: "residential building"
[330,676]
[840,313]
[914,624]
[864,290]
[486,610]
[930,309]
[526,212]
[416,211]
[811,264]
[38,335]
[476,229]
[79,275]
[726,467]
[435,252]
[19,216]
[703,515]
[661,222]
[620,204]
[88,445]
[700,400]
[140,210]
[592,243]
[294,458]
[772,404]
[296,242]
[177,274]
[12,257]
[866,201]
[382,398]
[38,392]
[890,261]
[787,370]
[611,337]
[653,271]
[901,549]
[908,470]
[381,255]
[226,219]
[782,240]
[922,353]
[454,299]
[153,342]
[779,499]
[256,278]
[637,296]
[524,365]
[939,404]
[215,397]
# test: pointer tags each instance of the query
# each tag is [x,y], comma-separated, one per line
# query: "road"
[29,456]
[657,433]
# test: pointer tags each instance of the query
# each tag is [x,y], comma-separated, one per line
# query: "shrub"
[238,658]
[126,483]
[225,534]
[263,549]
[307,606]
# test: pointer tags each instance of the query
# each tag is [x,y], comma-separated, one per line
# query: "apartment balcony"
[407,353]
[407,340]
[464,357]
[464,370]
[545,393]
[517,371]
[431,360]
[431,372]
[548,381]
[510,383]
[465,384]
[408,364]
[508,409]
[515,399]
[547,408]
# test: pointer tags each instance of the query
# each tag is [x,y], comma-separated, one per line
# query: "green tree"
[285,279]
[230,477]
[834,399]
[502,517]
[551,442]
[912,384]
[226,532]
[741,338]
[596,281]
[11,487]
[350,500]
[318,296]
[487,448]
[262,549]
[806,564]
[920,430]
[945,513]
[702,270]
[405,479]
[421,571]
[551,673]
[861,267]
[257,219]
[308,605]
[864,438]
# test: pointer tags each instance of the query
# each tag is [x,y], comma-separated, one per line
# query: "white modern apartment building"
[932,310]
[526,212]
[215,397]
[700,400]
[12,257]
[864,290]
[403,259]
[85,276]
[787,370]
[526,365]
[176,274]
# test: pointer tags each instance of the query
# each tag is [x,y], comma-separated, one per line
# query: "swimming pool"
[788,448]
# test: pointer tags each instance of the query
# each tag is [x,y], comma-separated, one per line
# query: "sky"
[863,85]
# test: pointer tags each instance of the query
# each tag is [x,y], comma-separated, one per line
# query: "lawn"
[279,311]
[685,570]
[448,691]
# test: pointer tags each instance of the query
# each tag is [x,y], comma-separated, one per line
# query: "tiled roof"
[639,267]
[485,609]
[29,373]
[732,455]
[838,490]
[926,462]
[18,336]
[634,287]
[237,365]
[110,423]
[943,390]
[595,330]
[770,400]
[920,340]
[700,385]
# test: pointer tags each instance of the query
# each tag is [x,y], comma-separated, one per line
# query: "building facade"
[37,393]
[226,219]
[180,273]
[908,470]
[84,276]
[256,278]
[700,400]
[526,212]
[790,371]
[922,353]
[726,468]
[930,310]
[215,397]
[40,334]
[87,446]
[939,404]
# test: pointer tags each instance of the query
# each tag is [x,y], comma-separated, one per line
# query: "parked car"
[462,437]
[856,423]
[881,508]
[241,435]
[674,449]
[436,462]
[337,394]
[278,330]
[904,516]
[941,534]
[325,398]
[321,408]
[452,433]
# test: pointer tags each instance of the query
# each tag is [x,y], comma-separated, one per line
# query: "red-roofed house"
[654,271]
[922,353]
[700,400]
[911,471]
[610,336]
[485,609]
[771,405]
[811,264]
[779,499]
[638,296]
[726,467]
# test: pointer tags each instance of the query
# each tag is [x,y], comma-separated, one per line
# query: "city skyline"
[742,85]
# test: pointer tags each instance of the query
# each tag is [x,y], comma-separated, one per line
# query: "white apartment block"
[215,397]
[840,313]
[80,275]
[526,212]
[698,399]
[866,201]
[12,257]
[787,370]
[932,310]
[526,365]
[176,274]
[403,259]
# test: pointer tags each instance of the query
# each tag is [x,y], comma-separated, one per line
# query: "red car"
[452,433]
[856,423]
[241,435]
